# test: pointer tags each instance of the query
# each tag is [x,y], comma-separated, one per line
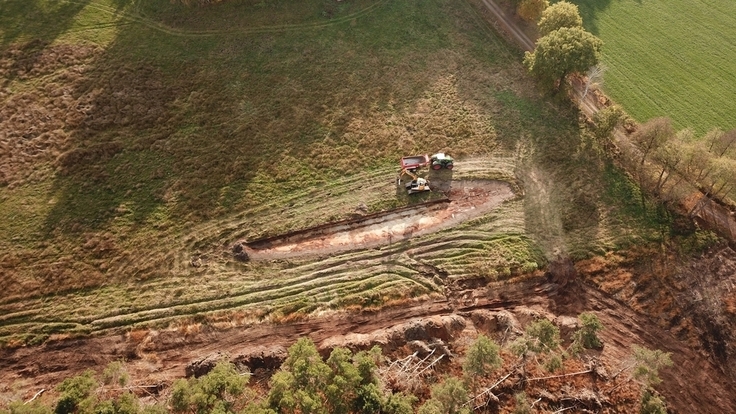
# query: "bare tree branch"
[35,396]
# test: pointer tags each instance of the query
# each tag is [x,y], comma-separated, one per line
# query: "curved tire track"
[173,31]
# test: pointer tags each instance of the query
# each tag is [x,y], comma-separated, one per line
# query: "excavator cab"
[418,185]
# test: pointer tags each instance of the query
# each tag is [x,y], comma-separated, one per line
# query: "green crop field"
[139,140]
[674,58]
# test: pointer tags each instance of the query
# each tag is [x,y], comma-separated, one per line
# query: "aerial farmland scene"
[367,206]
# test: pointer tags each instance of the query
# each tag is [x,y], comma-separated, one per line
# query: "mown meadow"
[674,58]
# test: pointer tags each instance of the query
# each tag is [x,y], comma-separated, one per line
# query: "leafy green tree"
[19,407]
[542,336]
[648,364]
[399,404]
[74,391]
[559,15]
[482,358]
[369,399]
[125,403]
[448,397]
[430,407]
[154,409]
[367,362]
[606,121]
[553,363]
[218,391]
[560,53]
[343,383]
[539,337]
[587,335]
[530,10]
[300,385]
[257,408]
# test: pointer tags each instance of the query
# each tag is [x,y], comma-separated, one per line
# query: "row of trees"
[356,383]
[664,157]
[667,157]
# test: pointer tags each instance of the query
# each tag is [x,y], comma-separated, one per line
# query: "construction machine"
[410,165]
[442,160]
[416,185]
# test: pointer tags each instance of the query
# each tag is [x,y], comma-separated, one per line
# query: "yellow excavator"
[416,185]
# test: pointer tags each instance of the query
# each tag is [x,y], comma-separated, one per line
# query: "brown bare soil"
[693,300]
[693,384]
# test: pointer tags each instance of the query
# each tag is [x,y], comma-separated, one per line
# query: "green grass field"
[139,137]
[674,58]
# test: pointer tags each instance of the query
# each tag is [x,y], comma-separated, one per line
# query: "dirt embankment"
[693,384]
[695,300]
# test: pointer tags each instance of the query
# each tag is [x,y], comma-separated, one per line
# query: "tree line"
[667,157]
[664,157]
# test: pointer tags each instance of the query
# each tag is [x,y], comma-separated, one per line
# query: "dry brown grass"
[38,107]
[138,335]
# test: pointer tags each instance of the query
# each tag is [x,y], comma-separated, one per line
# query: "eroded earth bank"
[637,304]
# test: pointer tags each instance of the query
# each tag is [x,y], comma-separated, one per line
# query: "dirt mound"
[422,330]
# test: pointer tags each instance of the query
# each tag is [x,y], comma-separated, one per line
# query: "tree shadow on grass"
[27,27]
[36,19]
[589,11]
[187,123]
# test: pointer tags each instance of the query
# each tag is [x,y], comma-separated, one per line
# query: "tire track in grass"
[173,31]
[323,282]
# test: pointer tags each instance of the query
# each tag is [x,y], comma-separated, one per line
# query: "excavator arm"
[416,185]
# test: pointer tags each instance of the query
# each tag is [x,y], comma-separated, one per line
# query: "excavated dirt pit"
[466,200]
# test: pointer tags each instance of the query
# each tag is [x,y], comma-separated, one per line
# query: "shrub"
[587,335]
[652,404]
[217,391]
[648,363]
[448,397]
[73,391]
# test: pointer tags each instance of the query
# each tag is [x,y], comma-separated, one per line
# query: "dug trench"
[154,358]
[465,200]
